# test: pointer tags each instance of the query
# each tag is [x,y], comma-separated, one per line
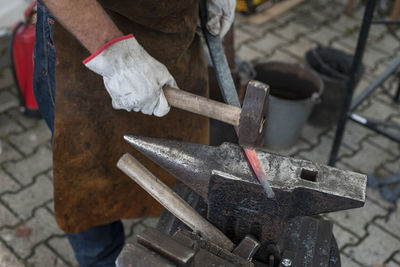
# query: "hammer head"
[253,117]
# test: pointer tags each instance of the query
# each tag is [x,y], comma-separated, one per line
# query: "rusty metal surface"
[247,247]
[253,118]
[313,188]
[305,241]
[135,255]
[309,242]
[166,246]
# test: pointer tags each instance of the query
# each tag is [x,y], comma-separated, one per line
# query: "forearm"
[86,20]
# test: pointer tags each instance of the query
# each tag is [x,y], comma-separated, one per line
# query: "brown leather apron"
[89,189]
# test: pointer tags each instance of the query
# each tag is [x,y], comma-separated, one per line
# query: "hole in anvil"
[308,175]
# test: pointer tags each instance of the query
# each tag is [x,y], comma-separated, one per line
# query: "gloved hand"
[220,16]
[132,77]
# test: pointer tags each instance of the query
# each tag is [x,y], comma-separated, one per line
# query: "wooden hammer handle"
[202,106]
[172,202]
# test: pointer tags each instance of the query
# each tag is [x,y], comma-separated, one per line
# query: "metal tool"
[228,90]
[171,201]
[157,249]
[250,119]
[222,176]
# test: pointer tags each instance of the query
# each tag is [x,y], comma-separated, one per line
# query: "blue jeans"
[100,245]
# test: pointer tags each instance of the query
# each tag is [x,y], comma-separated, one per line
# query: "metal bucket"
[333,66]
[294,91]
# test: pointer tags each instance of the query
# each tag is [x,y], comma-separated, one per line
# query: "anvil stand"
[304,235]
[390,185]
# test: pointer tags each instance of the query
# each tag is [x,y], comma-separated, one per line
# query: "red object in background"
[21,50]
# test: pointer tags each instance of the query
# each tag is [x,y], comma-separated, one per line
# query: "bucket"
[333,66]
[294,89]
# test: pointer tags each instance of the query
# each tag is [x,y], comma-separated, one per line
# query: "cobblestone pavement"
[369,236]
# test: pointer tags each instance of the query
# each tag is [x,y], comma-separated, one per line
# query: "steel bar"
[374,127]
[376,83]
[171,201]
[351,82]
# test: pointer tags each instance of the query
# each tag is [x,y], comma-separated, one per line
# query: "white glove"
[220,16]
[132,77]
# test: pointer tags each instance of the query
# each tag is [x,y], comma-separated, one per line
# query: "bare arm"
[86,20]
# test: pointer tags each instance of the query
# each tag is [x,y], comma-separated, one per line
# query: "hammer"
[250,119]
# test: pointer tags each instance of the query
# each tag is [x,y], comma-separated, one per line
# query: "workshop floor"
[369,236]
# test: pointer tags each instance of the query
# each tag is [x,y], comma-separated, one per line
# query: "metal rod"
[374,127]
[396,97]
[378,81]
[362,40]
[386,22]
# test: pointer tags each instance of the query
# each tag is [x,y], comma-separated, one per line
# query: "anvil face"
[237,204]
[314,188]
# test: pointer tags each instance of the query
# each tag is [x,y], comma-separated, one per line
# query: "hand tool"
[171,201]
[228,90]
[250,119]
[157,249]
[236,203]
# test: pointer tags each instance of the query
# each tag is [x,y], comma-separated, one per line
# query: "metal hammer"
[236,202]
[250,119]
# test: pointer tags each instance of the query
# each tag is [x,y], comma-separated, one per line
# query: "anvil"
[236,202]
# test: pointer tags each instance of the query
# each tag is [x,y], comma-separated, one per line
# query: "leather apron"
[89,189]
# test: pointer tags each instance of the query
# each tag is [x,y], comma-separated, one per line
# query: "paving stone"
[25,201]
[337,45]
[282,56]
[353,135]
[388,43]
[50,206]
[8,153]
[368,158]
[7,258]
[241,36]
[6,78]
[248,54]
[136,230]
[375,196]
[6,217]
[343,237]
[27,122]
[7,101]
[355,220]
[372,57]
[291,31]
[347,262]
[346,25]
[324,36]
[128,225]
[375,249]
[24,170]
[259,30]
[7,184]
[62,246]
[385,144]
[309,19]
[312,133]
[391,224]
[380,111]
[393,166]
[290,151]
[36,230]
[150,221]
[29,140]
[267,44]
[8,126]
[45,257]
[300,47]
[320,153]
